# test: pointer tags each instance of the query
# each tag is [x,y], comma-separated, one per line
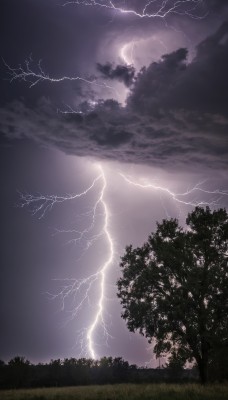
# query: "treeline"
[20,373]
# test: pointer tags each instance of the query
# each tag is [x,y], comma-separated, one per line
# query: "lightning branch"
[40,205]
[152,8]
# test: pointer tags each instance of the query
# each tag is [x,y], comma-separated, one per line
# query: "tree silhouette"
[174,288]
[19,371]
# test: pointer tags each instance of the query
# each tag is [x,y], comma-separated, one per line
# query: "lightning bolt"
[79,291]
[124,53]
[128,49]
[34,76]
[40,205]
[181,198]
[161,11]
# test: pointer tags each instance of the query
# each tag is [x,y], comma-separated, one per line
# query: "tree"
[18,361]
[19,369]
[174,289]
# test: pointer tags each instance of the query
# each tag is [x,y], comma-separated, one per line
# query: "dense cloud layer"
[176,113]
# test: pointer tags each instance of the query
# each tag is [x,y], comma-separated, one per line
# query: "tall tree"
[174,288]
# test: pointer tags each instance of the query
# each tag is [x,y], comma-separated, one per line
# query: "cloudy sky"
[100,95]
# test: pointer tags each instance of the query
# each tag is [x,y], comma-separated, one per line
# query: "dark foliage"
[174,289]
[20,373]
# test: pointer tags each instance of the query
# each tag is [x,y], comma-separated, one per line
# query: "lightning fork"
[167,7]
[180,197]
[72,288]
[31,76]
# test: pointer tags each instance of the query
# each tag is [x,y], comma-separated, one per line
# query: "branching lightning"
[152,9]
[37,75]
[79,291]
[181,198]
[40,205]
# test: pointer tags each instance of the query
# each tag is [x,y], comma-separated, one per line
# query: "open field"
[122,392]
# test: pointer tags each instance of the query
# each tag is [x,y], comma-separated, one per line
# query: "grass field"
[122,392]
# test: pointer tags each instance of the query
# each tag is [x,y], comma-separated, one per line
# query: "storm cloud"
[175,114]
[122,73]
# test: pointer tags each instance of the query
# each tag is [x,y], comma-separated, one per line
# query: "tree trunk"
[203,372]
[203,362]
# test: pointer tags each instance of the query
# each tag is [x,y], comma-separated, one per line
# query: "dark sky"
[156,111]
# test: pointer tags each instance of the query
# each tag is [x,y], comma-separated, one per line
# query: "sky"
[113,115]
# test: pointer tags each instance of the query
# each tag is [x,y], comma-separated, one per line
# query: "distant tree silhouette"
[19,373]
[19,369]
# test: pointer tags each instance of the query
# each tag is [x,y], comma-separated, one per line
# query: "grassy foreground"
[122,392]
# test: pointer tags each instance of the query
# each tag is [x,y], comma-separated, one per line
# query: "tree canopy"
[174,289]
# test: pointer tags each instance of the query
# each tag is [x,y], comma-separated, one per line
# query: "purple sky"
[156,119]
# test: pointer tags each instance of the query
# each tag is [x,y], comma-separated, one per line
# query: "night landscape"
[114,196]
